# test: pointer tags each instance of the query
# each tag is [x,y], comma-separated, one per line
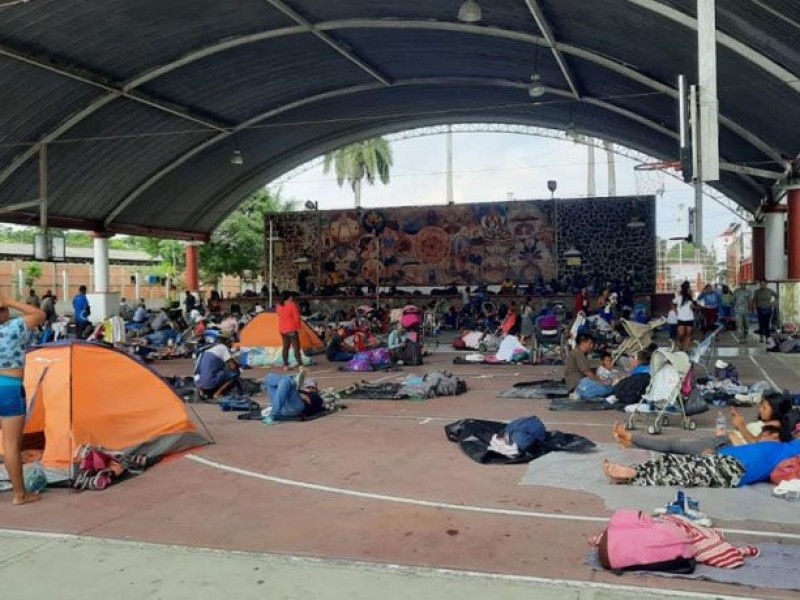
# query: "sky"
[489,166]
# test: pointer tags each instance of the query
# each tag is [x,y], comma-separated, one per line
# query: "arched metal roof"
[141,104]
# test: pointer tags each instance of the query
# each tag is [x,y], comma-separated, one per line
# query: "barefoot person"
[14,335]
[731,466]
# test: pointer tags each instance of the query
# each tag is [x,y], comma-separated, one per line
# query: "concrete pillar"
[774,251]
[101,262]
[192,277]
[758,251]
[793,250]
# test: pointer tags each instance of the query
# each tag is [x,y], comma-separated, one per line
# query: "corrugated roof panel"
[120,38]
[32,102]
[238,84]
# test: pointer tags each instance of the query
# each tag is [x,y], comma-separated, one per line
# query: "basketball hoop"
[659,165]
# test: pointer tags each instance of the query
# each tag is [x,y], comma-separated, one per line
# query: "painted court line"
[443,505]
[364,566]
[764,373]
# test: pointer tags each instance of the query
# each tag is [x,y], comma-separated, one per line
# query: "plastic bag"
[34,477]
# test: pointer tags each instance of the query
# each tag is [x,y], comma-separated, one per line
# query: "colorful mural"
[428,246]
[468,244]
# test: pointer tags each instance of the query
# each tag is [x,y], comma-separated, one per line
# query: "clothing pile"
[97,468]
[726,392]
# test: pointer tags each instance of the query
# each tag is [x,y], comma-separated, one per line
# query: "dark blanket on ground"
[544,388]
[591,404]
[460,360]
[473,436]
[185,388]
[775,568]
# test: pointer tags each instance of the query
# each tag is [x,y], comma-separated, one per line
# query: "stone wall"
[610,249]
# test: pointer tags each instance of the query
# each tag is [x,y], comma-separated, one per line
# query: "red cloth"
[711,547]
[288,316]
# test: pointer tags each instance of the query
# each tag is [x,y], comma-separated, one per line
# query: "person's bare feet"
[621,436]
[618,473]
[25,499]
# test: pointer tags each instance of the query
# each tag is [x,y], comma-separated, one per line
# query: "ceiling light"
[237,158]
[573,252]
[470,12]
[536,88]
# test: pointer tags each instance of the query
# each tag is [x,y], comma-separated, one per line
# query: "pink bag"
[634,538]
[688,383]
[412,317]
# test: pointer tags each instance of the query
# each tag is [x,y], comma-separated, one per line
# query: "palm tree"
[370,159]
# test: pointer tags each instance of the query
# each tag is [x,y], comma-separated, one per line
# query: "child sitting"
[672,320]
[606,372]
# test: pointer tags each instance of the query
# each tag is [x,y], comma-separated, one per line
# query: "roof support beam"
[100,82]
[327,39]
[761,61]
[228,44]
[547,32]
[443,81]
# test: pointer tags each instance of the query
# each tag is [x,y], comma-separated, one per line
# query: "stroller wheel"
[653,429]
[690,425]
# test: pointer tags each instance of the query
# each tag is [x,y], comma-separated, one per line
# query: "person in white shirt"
[672,320]
[685,312]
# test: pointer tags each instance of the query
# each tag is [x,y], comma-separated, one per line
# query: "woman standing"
[685,316]
[14,334]
[289,327]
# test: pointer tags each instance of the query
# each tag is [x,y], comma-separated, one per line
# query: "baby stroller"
[640,335]
[670,383]
[548,341]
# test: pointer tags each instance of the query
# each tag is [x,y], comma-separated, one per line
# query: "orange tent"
[84,393]
[262,331]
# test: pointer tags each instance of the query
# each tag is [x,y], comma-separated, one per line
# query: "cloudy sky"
[489,166]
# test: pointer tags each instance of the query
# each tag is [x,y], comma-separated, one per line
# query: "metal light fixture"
[536,89]
[636,221]
[236,158]
[311,205]
[552,185]
[573,256]
[470,12]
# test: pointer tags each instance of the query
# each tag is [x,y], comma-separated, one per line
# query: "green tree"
[33,271]
[236,245]
[370,160]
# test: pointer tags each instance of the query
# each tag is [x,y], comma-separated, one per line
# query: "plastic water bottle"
[722,424]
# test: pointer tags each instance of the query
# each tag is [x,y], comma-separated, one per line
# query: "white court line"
[425,421]
[364,565]
[764,373]
[443,505]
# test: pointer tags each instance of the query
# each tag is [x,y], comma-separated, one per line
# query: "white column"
[774,252]
[136,290]
[100,264]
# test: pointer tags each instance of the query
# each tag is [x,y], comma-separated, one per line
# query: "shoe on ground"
[753,398]
[574,396]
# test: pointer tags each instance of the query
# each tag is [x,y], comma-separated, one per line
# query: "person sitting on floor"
[397,342]
[292,397]
[140,314]
[630,389]
[578,373]
[338,350]
[606,372]
[217,372]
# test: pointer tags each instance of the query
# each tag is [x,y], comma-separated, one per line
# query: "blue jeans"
[341,356]
[764,318]
[589,388]
[283,396]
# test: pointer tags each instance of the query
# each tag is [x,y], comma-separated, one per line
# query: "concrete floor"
[377,483]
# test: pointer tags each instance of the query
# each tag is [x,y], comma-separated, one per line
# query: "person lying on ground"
[292,397]
[731,466]
[338,350]
[772,410]
[578,374]
[217,371]
[696,445]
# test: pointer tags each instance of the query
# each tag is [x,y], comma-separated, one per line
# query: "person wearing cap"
[292,397]
[742,299]
[216,370]
[672,320]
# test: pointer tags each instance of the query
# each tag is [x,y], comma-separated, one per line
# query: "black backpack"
[413,353]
